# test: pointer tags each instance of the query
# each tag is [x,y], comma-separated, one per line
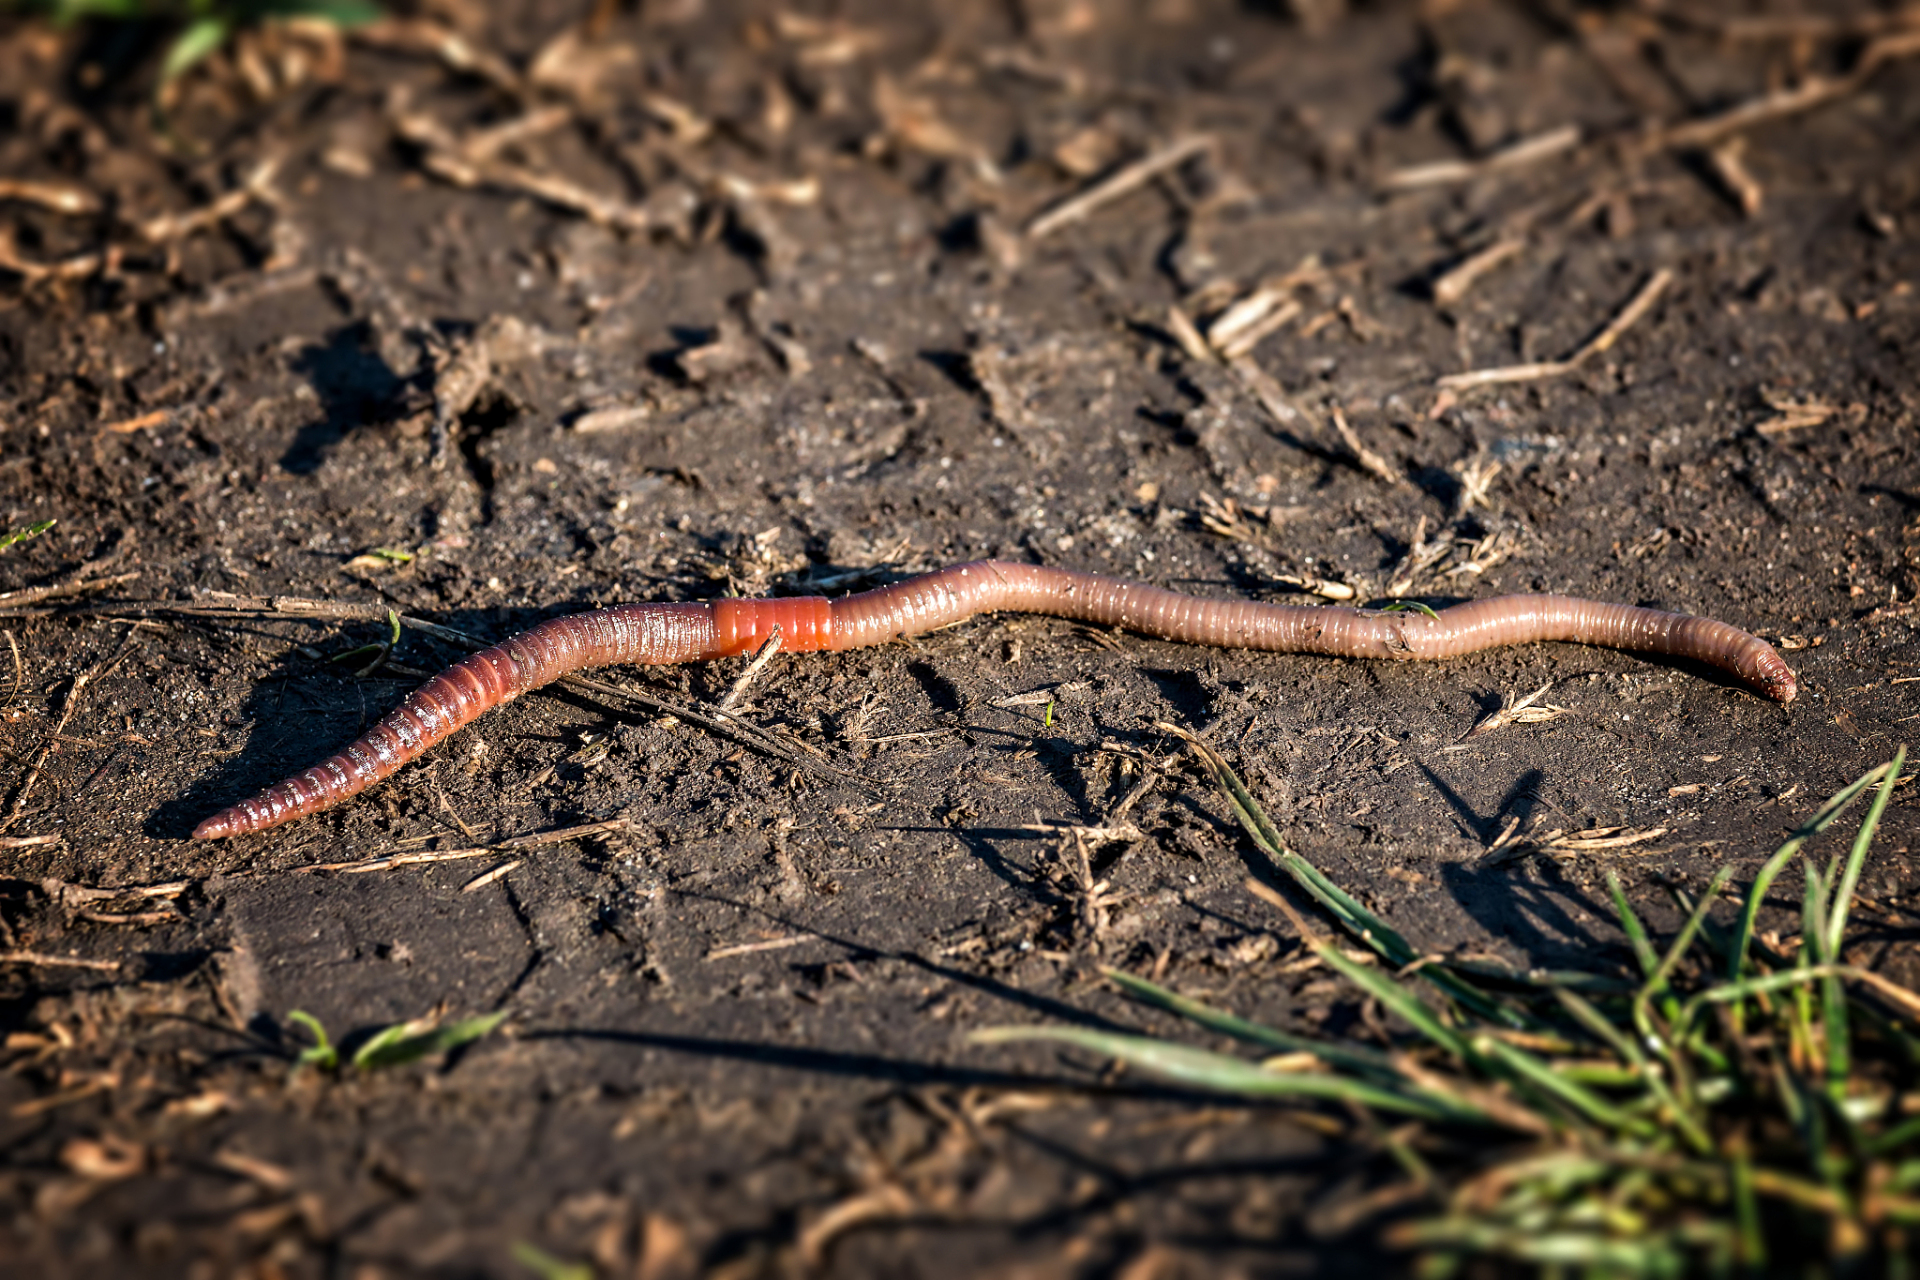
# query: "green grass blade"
[1254,1033]
[322,1053]
[21,535]
[1752,1241]
[1223,1073]
[1400,1000]
[1836,805]
[1895,1138]
[1857,856]
[201,38]
[1519,1065]
[1691,1126]
[548,1267]
[401,1044]
[1361,923]
[1631,926]
[1658,979]
[341,13]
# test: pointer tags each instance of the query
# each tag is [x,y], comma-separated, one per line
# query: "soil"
[491,313]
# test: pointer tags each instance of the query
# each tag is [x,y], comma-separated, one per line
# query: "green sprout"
[1410,606]
[21,535]
[376,654]
[393,1046]
[548,1267]
[1739,1104]
[205,25]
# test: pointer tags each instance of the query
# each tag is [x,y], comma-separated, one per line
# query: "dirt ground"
[492,313]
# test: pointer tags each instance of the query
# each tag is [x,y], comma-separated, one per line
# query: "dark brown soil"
[834,355]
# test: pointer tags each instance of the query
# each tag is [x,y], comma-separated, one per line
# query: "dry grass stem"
[19,670]
[57,962]
[74,695]
[1476,477]
[754,948]
[174,226]
[1123,181]
[1420,556]
[1729,167]
[1116,833]
[59,591]
[1325,588]
[1184,332]
[1245,340]
[1598,838]
[1810,93]
[470,163]
[1454,285]
[1268,392]
[58,196]
[1637,307]
[500,872]
[761,657]
[1792,415]
[1527,710]
[1527,151]
[1369,461]
[878,1205]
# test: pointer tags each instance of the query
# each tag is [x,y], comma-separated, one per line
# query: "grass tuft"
[1736,1108]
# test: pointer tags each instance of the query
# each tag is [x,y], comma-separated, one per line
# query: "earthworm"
[672,633]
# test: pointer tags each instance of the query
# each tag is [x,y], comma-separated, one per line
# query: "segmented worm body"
[672,633]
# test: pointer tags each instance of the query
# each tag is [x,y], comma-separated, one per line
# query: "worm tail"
[637,633]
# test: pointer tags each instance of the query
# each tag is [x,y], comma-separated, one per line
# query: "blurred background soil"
[485,313]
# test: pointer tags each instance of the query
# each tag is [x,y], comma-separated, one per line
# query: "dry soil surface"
[492,313]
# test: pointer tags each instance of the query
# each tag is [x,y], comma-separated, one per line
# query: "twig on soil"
[30,842]
[1249,321]
[1368,459]
[1186,335]
[771,944]
[1808,94]
[1730,169]
[1791,415]
[762,656]
[175,226]
[60,197]
[1272,397]
[888,1202]
[1524,152]
[1637,307]
[486,878]
[80,683]
[57,962]
[1325,588]
[1451,287]
[425,37]
[12,600]
[1121,182]
[19,670]
[471,163]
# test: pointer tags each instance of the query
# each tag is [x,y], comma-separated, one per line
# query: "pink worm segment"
[672,633]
